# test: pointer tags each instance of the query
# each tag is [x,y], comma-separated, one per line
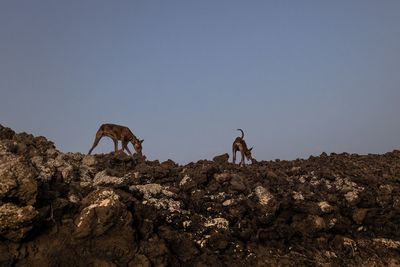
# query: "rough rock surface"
[69,209]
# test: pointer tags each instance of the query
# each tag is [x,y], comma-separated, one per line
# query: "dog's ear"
[251,148]
[141,141]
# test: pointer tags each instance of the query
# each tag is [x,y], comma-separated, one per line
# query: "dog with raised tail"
[118,133]
[240,145]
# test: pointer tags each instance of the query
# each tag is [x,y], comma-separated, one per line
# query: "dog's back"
[240,144]
[116,131]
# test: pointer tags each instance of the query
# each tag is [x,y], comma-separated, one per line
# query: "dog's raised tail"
[242,132]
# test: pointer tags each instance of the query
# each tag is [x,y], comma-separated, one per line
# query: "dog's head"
[247,153]
[137,144]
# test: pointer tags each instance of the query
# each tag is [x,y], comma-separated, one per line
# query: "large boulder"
[71,209]
[102,211]
[6,133]
[104,228]
[17,180]
[16,222]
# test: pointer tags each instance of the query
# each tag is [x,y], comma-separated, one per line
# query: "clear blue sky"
[300,77]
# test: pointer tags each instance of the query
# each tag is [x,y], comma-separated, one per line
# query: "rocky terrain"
[70,209]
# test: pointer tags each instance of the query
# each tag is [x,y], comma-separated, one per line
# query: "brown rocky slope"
[70,209]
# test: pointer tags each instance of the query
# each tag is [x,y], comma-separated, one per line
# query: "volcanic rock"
[221,158]
[70,209]
[16,222]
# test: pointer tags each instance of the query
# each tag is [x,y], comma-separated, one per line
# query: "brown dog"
[240,144]
[118,133]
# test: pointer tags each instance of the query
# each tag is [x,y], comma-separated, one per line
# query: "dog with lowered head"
[240,145]
[118,133]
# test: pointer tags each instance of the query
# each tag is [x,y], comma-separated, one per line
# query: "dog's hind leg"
[234,154]
[96,141]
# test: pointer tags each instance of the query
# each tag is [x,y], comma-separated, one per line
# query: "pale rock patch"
[220,223]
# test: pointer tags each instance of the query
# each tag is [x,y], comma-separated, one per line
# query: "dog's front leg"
[242,160]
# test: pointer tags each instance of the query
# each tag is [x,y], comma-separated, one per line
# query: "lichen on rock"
[16,222]
[71,209]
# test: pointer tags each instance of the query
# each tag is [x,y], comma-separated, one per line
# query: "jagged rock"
[218,241]
[224,177]
[221,158]
[169,164]
[46,171]
[103,210]
[385,195]
[71,209]
[345,244]
[263,195]
[359,215]
[184,180]
[266,200]
[89,161]
[352,197]
[188,183]
[308,225]
[8,183]
[156,250]
[237,184]
[17,180]
[221,223]
[158,196]
[6,133]
[16,222]
[325,207]
[102,179]
[149,190]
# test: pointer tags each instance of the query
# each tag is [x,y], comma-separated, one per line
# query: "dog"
[118,133]
[240,144]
